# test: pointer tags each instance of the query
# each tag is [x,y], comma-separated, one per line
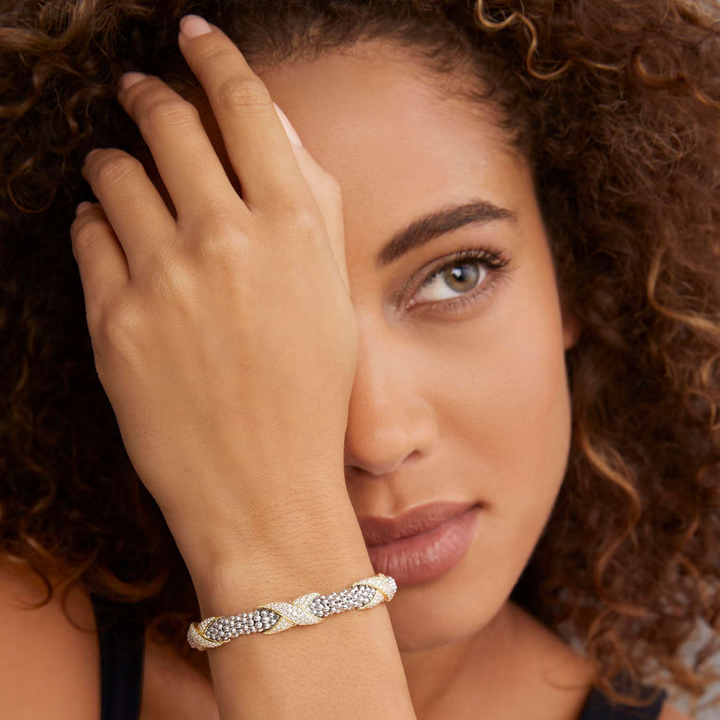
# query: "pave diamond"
[294,613]
[275,617]
[196,635]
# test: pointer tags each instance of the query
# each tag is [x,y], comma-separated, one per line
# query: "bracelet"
[274,617]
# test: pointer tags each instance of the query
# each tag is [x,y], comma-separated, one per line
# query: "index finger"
[256,142]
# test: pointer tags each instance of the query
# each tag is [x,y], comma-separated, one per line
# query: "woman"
[460,285]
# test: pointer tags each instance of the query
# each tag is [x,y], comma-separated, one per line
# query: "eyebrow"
[445,220]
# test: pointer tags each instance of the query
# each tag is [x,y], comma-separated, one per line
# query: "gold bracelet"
[274,617]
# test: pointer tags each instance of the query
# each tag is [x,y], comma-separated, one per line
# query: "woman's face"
[461,402]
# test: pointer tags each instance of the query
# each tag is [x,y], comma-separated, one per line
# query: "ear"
[571,332]
[571,328]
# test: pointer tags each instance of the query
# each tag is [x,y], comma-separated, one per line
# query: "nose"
[390,420]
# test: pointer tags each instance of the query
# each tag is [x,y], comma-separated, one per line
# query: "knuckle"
[120,326]
[114,167]
[85,232]
[302,217]
[173,284]
[244,94]
[215,55]
[299,221]
[223,239]
[165,112]
[219,221]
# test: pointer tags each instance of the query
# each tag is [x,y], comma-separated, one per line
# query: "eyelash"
[494,262]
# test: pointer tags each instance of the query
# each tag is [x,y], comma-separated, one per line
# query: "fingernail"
[90,154]
[130,78]
[193,25]
[82,207]
[289,129]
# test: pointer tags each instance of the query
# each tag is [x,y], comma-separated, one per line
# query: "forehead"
[399,141]
[378,95]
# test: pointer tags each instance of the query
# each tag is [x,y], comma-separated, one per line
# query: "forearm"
[347,666]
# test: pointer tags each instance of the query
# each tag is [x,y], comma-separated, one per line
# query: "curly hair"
[615,106]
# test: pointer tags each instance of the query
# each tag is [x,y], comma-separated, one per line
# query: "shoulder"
[565,657]
[672,713]
[50,656]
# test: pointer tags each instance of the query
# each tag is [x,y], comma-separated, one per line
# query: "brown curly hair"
[615,105]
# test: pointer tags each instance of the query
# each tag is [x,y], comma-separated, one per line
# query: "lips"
[380,530]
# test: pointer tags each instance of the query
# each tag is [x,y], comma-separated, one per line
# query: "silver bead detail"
[275,617]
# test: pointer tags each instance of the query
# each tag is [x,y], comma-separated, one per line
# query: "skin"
[465,406]
[469,406]
[477,397]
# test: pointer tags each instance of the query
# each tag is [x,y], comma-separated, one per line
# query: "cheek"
[518,398]
[533,410]
[530,369]
[527,427]
[520,438]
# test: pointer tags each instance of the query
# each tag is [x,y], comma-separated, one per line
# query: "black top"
[121,635]
[598,707]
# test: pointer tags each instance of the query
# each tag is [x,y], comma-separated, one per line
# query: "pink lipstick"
[423,544]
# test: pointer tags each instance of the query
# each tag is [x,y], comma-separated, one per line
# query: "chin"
[424,620]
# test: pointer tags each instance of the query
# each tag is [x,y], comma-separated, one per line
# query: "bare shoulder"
[50,657]
[562,658]
[672,713]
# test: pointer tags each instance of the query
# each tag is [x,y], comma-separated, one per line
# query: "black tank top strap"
[599,707]
[121,634]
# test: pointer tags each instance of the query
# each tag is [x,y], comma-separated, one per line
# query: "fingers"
[103,268]
[328,195]
[132,204]
[185,158]
[275,175]
[257,145]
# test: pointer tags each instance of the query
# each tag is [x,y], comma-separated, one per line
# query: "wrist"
[259,514]
[278,559]
[234,590]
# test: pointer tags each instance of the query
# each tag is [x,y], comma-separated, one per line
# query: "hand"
[225,338]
